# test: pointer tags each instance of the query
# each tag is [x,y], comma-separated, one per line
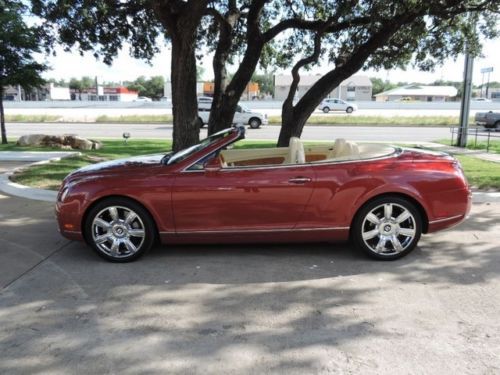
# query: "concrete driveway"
[291,309]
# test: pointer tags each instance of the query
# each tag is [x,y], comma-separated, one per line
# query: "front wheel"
[254,123]
[119,230]
[387,228]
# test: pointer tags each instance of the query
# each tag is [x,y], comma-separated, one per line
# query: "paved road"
[291,309]
[355,133]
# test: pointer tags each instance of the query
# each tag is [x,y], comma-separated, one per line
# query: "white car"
[241,116]
[204,103]
[331,104]
[143,99]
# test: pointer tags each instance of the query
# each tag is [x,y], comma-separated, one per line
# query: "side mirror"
[213,165]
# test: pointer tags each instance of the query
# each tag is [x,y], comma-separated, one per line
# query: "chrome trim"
[445,219]
[256,230]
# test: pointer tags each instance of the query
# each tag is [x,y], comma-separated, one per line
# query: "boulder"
[31,140]
[66,142]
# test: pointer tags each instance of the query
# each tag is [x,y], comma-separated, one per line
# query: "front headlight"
[64,194]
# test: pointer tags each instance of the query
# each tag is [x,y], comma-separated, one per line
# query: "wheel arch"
[117,196]
[408,197]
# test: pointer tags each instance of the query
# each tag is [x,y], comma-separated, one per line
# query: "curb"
[23,191]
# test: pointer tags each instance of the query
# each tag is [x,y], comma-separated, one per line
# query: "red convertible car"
[380,197]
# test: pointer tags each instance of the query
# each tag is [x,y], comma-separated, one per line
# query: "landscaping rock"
[65,142]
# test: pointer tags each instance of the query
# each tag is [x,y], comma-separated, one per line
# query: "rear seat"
[343,149]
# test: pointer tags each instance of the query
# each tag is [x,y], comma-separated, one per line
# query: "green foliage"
[18,42]
[81,84]
[149,87]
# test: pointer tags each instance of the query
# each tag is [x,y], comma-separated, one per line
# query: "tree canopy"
[345,35]
[18,42]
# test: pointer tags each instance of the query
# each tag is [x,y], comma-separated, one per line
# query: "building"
[355,88]
[167,89]
[251,91]
[418,93]
[106,94]
[48,91]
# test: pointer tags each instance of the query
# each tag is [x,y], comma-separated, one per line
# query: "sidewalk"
[479,154]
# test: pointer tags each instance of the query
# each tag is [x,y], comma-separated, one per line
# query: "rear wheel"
[326,109]
[349,109]
[200,122]
[387,228]
[119,230]
[254,123]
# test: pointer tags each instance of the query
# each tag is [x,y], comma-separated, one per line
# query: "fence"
[476,132]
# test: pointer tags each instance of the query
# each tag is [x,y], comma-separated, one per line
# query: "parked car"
[382,197]
[241,116]
[490,120]
[204,103]
[143,99]
[330,104]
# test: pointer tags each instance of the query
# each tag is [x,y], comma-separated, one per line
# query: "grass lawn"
[481,174]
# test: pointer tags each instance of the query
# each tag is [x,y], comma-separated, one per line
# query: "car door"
[241,199]
[338,105]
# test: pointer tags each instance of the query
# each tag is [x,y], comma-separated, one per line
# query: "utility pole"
[465,105]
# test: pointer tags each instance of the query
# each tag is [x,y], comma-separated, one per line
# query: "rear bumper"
[457,212]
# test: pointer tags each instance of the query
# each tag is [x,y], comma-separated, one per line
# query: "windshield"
[187,152]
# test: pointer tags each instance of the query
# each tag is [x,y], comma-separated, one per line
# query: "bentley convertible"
[380,197]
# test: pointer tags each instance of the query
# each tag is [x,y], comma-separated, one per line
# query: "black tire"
[128,235]
[497,126]
[254,123]
[349,109]
[326,109]
[387,231]
[200,122]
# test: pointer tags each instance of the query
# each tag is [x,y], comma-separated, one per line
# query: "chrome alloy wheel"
[388,229]
[118,231]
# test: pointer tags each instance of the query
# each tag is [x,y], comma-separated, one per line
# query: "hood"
[121,165]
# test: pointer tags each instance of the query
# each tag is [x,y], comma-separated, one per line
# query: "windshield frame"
[184,154]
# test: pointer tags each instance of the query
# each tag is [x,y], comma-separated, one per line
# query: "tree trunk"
[181,20]
[186,130]
[222,115]
[292,125]
[2,118]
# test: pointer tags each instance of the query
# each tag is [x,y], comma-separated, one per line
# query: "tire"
[326,109]
[254,123]
[379,225]
[349,109]
[497,126]
[119,230]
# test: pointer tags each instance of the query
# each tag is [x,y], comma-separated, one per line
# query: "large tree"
[18,42]
[347,34]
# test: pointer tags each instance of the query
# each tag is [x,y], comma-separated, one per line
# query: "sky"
[125,68]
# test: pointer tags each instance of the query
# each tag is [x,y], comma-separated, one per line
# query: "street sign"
[487,70]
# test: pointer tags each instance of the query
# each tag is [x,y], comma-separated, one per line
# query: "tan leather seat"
[344,149]
[296,154]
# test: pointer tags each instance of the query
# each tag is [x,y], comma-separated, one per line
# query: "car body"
[490,120]
[382,197]
[242,116]
[333,104]
[143,99]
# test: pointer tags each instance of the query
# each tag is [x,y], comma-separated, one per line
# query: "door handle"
[299,180]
